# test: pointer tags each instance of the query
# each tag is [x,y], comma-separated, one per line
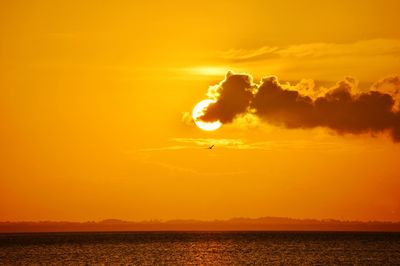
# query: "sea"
[200,248]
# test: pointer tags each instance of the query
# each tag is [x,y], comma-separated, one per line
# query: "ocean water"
[200,248]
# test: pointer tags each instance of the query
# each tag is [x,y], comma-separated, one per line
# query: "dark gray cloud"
[341,108]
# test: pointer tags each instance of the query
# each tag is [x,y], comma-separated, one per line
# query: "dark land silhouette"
[234,224]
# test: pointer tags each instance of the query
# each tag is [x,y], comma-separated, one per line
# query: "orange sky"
[94,99]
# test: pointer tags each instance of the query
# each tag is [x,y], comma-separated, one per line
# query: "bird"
[210,147]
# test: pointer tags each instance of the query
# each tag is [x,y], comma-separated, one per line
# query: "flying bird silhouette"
[210,147]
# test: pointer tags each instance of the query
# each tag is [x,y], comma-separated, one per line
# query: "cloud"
[342,108]
[391,86]
[276,145]
[368,60]
[234,95]
[226,143]
[374,47]
[186,170]
[194,143]
[166,148]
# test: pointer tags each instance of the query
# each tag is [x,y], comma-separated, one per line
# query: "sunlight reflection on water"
[200,248]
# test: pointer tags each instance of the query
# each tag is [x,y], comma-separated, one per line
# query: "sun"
[198,111]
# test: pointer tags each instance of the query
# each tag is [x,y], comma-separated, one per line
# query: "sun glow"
[209,71]
[198,111]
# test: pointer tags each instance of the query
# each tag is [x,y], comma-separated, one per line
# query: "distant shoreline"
[264,224]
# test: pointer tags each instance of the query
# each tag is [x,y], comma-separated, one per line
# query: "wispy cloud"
[241,144]
[376,47]
[167,148]
[154,160]
[225,143]
[176,168]
[195,143]
[368,60]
